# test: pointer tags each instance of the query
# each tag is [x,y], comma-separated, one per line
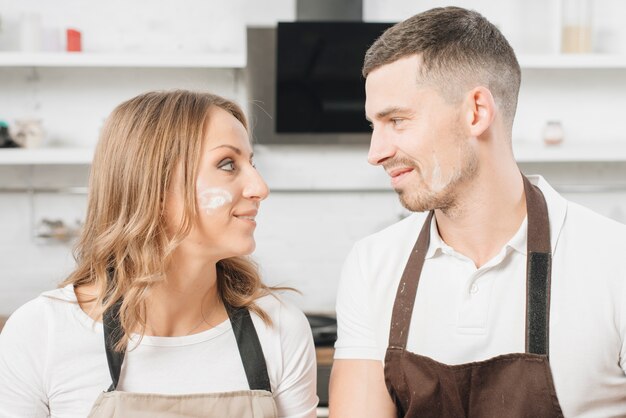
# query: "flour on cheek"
[213,198]
[436,178]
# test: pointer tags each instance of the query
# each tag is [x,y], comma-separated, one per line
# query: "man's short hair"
[459,49]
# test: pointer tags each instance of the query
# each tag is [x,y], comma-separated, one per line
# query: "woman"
[189,329]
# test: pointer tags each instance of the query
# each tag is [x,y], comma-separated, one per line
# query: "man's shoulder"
[586,222]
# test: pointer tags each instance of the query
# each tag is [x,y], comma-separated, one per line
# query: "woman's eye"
[227,165]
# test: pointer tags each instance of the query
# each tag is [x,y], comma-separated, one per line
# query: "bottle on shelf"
[553,133]
[5,138]
[576,26]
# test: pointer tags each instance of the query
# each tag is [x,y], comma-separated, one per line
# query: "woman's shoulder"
[284,314]
[36,314]
[289,329]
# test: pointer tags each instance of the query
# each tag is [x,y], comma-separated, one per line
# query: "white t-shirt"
[463,314]
[53,362]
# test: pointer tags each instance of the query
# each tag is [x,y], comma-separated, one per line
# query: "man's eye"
[227,166]
[396,121]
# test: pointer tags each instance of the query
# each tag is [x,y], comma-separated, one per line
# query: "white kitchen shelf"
[525,152]
[238,60]
[136,60]
[570,152]
[46,156]
[572,61]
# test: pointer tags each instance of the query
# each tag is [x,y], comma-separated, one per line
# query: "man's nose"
[381,149]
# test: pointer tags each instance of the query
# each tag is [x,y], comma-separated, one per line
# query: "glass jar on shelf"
[576,26]
[553,133]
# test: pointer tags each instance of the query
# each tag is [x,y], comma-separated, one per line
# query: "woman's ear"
[480,110]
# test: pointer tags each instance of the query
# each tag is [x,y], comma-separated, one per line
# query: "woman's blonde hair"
[124,248]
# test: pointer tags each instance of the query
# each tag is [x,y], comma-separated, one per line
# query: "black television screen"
[319,87]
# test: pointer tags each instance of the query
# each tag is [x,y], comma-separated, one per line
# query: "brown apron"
[511,385]
[257,402]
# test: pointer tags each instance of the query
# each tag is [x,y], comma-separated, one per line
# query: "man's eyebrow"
[388,111]
[235,149]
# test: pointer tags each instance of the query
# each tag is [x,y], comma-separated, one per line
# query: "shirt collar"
[557,208]
[436,242]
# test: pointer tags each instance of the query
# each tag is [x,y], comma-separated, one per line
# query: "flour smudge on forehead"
[213,198]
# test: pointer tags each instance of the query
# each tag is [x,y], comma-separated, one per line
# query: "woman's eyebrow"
[235,149]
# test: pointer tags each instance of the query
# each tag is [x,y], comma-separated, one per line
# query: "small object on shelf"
[57,230]
[73,40]
[27,133]
[5,138]
[30,32]
[553,132]
[576,26]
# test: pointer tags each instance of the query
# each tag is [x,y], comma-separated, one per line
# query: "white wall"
[324,197]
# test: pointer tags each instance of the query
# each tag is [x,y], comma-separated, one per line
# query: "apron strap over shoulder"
[247,341]
[538,271]
[407,289]
[250,348]
[245,334]
[112,335]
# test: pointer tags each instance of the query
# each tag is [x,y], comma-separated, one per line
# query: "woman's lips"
[247,217]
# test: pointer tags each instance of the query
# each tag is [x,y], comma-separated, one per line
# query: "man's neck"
[488,212]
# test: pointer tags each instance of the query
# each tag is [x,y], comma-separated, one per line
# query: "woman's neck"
[187,301]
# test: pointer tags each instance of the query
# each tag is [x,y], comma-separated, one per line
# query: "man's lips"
[397,174]
[399,171]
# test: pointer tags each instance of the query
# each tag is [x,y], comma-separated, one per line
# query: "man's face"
[419,138]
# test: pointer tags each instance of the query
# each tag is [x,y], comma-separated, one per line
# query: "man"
[519,310]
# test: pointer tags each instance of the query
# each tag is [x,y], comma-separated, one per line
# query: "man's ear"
[480,110]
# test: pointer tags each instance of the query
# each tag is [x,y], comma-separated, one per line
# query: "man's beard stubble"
[422,198]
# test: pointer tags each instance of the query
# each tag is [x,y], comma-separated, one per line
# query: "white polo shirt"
[463,314]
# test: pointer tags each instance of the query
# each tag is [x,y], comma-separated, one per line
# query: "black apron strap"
[245,334]
[538,271]
[112,335]
[250,348]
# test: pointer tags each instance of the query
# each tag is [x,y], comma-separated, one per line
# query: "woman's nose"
[255,187]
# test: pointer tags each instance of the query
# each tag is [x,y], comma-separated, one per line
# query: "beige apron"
[257,402]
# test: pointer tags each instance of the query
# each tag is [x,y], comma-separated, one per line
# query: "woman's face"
[229,191]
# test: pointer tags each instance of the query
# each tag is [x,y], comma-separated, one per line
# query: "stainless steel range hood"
[329,10]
